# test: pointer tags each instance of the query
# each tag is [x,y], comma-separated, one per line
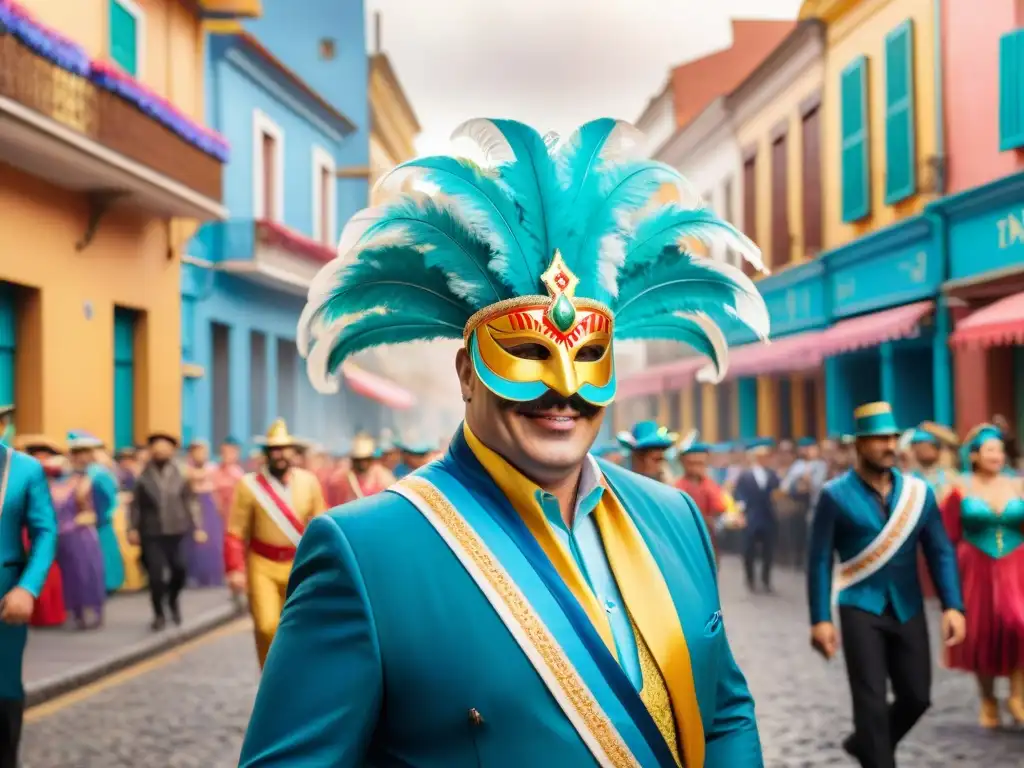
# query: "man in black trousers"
[873,517]
[164,510]
[755,488]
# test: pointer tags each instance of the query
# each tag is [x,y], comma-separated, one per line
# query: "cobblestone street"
[191,712]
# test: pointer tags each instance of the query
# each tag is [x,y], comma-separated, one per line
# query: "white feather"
[688,440]
[905,439]
[624,143]
[711,373]
[357,226]
[627,438]
[483,142]
[611,257]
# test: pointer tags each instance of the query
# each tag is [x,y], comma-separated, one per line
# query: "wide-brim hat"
[875,420]
[7,410]
[943,434]
[33,443]
[692,445]
[278,437]
[79,440]
[759,445]
[647,436]
[416,449]
[806,442]
[606,450]
[155,437]
[362,447]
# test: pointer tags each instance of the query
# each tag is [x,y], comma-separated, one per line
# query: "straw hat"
[30,443]
[362,447]
[278,436]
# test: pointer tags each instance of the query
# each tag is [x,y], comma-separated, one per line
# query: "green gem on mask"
[562,313]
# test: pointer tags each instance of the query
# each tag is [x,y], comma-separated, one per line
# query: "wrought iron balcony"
[60,124]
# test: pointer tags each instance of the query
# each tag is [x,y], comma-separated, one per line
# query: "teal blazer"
[25,505]
[386,644]
[846,520]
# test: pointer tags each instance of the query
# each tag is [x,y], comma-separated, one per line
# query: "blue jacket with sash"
[846,520]
[24,504]
[386,644]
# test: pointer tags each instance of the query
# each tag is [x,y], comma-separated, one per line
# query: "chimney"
[376,31]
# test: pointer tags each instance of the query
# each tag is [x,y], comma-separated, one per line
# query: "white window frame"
[324,161]
[261,124]
[135,11]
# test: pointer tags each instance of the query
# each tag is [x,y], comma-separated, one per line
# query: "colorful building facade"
[293,104]
[105,167]
[982,217]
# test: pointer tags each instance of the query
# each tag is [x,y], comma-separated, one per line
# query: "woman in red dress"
[49,610]
[984,514]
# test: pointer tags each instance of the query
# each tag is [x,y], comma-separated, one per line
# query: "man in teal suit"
[24,505]
[518,602]
[874,517]
[647,444]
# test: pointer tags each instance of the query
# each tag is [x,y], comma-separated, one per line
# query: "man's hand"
[825,639]
[954,628]
[237,582]
[199,536]
[16,606]
[133,538]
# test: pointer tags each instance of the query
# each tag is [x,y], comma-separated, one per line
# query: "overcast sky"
[551,63]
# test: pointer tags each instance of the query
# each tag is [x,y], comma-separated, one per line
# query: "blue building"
[293,104]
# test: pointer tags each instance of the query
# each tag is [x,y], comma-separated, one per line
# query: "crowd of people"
[155,516]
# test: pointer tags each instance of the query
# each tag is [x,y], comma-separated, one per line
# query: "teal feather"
[395,328]
[680,282]
[484,201]
[429,225]
[396,279]
[704,338]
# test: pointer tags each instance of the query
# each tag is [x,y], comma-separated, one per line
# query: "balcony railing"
[106,118]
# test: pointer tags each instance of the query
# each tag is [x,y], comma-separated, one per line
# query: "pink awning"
[997,325]
[377,387]
[876,328]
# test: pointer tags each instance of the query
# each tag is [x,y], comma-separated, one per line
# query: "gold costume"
[260,542]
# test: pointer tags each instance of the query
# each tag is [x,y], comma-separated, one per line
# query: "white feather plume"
[481,141]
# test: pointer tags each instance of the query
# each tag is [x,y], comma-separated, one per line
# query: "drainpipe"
[940,112]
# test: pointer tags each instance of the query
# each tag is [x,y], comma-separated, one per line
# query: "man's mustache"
[552,400]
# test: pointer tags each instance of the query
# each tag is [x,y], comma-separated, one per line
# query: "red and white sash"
[898,528]
[271,496]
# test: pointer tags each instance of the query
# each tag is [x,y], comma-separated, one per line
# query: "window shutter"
[854,125]
[124,38]
[900,146]
[8,342]
[1011,90]
[124,378]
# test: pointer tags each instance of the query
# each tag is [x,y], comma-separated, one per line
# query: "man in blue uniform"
[873,517]
[24,505]
[516,603]
[755,491]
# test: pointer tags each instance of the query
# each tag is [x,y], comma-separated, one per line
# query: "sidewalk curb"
[50,688]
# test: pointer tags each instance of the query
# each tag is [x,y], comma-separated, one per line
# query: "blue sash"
[468,486]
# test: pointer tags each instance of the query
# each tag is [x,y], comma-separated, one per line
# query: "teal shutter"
[124,38]
[1011,90]
[8,342]
[856,169]
[900,146]
[124,378]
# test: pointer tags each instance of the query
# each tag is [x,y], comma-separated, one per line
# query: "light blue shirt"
[583,542]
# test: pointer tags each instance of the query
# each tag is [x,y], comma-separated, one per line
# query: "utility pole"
[376,31]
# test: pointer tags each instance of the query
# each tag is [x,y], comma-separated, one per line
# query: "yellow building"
[393,124]
[881,146]
[97,199]
[777,116]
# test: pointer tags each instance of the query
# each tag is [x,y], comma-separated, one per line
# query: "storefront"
[888,340]
[985,288]
[771,389]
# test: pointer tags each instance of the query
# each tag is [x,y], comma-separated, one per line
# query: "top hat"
[278,436]
[874,420]
[362,447]
[647,436]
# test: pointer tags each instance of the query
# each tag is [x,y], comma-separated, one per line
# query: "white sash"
[270,507]
[898,528]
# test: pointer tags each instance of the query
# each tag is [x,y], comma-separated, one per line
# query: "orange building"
[105,168]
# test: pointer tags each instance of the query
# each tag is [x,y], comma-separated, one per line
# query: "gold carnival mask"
[523,347]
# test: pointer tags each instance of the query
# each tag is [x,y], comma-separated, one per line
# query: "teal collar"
[588,496]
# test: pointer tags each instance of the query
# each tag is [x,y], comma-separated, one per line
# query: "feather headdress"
[468,232]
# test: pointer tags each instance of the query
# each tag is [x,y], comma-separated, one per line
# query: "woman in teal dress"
[104,491]
[984,514]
